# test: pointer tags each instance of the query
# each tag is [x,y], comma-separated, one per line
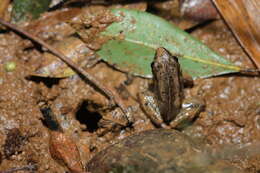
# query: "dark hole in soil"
[49,82]
[90,119]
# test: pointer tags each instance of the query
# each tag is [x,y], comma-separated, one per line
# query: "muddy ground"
[231,116]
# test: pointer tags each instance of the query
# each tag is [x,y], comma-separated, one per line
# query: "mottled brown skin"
[165,106]
[168,84]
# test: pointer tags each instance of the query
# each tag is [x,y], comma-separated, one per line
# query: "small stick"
[24,168]
[95,83]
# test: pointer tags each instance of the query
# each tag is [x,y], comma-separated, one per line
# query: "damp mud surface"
[229,125]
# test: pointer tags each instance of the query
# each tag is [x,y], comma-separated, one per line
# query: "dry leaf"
[243,17]
[3,7]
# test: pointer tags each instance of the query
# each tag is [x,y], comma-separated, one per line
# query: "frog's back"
[168,84]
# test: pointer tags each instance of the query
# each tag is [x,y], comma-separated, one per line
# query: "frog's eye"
[152,64]
[156,65]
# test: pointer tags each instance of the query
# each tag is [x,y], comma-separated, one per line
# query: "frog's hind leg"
[182,120]
[148,105]
[191,108]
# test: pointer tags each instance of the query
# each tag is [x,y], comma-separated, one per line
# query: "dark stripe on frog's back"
[168,84]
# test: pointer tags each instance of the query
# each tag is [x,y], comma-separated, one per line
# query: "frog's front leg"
[191,108]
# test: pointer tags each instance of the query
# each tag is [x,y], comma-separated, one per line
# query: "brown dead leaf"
[49,22]
[141,6]
[74,49]
[3,7]
[186,14]
[242,16]
[198,10]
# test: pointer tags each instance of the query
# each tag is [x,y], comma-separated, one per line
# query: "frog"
[164,104]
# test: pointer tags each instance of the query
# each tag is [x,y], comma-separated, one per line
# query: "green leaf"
[25,9]
[136,36]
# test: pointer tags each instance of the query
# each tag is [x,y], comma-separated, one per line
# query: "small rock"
[10,66]
[65,152]
[154,151]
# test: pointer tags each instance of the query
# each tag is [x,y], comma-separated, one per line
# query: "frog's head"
[163,60]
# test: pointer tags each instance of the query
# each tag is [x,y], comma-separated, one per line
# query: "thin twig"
[24,168]
[113,96]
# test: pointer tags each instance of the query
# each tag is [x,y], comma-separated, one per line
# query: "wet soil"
[229,125]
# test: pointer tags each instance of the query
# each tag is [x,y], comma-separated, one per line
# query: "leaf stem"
[231,67]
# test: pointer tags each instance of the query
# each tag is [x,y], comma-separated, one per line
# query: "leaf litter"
[66,97]
[135,38]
